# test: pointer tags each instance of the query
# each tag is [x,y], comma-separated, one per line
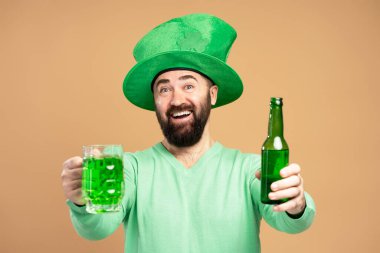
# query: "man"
[189,193]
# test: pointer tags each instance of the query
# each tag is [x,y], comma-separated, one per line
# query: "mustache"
[183,107]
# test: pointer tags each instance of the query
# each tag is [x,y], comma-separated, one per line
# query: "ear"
[213,94]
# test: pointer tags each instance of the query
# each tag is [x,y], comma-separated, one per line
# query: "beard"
[189,133]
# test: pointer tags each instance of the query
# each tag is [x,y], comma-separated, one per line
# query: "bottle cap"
[276,100]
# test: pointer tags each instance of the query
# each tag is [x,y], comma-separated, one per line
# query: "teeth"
[178,114]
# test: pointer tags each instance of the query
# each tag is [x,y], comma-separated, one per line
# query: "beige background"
[62,67]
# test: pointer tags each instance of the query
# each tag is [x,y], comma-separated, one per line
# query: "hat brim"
[137,83]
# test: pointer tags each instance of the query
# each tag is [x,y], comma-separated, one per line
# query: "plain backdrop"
[61,73]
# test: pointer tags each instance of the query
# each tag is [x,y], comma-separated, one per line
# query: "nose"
[178,98]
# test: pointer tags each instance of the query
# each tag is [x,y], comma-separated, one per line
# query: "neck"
[275,127]
[188,156]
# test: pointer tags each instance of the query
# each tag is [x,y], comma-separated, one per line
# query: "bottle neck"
[276,126]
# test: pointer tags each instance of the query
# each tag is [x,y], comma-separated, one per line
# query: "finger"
[73,185]
[292,206]
[76,173]
[292,169]
[289,205]
[76,196]
[74,162]
[285,183]
[285,194]
[73,174]
[258,174]
[72,193]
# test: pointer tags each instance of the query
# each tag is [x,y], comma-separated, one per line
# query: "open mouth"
[181,114]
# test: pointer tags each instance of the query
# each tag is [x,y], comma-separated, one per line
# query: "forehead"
[173,75]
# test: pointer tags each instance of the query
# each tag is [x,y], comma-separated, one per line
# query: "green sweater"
[212,207]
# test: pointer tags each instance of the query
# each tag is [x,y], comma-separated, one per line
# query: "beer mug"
[103,178]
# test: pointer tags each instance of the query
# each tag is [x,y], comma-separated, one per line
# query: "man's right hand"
[71,177]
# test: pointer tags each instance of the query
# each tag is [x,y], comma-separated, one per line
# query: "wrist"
[296,215]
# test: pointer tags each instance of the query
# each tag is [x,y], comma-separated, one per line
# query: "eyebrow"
[185,77]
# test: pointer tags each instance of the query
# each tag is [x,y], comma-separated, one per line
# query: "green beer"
[274,152]
[102,181]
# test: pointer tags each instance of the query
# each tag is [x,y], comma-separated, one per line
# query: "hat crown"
[197,42]
[202,33]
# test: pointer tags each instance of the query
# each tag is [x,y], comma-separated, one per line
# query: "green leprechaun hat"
[198,42]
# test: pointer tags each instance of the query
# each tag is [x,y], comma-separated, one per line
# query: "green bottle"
[274,152]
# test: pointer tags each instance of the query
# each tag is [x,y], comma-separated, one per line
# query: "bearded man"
[189,193]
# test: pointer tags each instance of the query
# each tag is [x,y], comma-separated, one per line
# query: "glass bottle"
[274,152]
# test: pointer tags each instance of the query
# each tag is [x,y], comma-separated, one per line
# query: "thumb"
[258,174]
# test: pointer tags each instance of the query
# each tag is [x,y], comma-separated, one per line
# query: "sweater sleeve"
[280,220]
[99,226]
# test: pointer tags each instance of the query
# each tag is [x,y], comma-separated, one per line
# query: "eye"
[189,86]
[163,90]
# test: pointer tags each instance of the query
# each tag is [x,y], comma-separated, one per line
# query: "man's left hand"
[290,187]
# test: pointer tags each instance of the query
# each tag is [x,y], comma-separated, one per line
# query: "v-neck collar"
[177,164]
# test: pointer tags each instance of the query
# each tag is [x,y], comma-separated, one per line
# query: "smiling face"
[183,100]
